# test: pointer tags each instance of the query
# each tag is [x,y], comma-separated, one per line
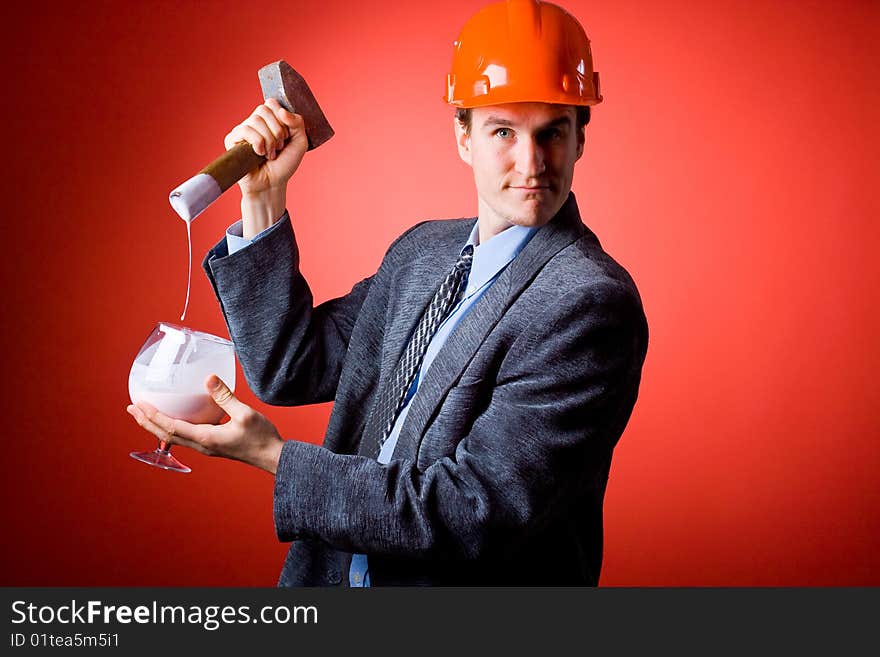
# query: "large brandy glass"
[169,372]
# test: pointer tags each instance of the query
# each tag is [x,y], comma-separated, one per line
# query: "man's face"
[523,157]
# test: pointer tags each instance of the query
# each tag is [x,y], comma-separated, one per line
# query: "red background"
[728,169]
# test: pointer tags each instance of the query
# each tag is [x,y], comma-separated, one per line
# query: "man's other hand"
[248,436]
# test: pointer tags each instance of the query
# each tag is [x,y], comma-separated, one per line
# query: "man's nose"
[529,158]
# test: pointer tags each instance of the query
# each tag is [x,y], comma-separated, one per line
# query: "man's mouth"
[531,189]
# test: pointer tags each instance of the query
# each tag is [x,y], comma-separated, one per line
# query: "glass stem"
[164,446]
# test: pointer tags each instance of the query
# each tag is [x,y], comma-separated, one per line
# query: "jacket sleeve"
[562,397]
[291,352]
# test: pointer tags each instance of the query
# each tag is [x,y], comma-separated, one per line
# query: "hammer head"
[281,82]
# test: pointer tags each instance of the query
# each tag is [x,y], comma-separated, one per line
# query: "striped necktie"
[445,299]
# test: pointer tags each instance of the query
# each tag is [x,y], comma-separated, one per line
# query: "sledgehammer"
[279,81]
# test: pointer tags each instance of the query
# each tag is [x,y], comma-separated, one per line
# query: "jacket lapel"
[461,346]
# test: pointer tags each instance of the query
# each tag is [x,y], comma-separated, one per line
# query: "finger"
[289,119]
[278,130]
[246,134]
[259,124]
[167,429]
[294,122]
[140,414]
[235,136]
[224,398]
[257,133]
[178,428]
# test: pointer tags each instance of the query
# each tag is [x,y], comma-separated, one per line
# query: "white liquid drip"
[188,268]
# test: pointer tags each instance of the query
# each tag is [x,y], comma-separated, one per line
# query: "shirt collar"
[495,253]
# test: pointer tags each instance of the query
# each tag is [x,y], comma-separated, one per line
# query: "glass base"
[161,459]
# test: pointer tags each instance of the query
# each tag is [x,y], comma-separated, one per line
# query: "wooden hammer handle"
[233,165]
[192,197]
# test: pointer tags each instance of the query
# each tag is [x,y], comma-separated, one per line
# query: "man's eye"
[503,133]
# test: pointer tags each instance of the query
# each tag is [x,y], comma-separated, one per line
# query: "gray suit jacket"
[499,473]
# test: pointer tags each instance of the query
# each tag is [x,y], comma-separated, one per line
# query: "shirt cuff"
[235,241]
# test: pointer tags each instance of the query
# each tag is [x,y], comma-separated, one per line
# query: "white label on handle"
[192,197]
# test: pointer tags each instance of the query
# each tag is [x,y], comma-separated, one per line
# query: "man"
[481,377]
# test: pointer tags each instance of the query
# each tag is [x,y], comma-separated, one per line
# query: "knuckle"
[255,139]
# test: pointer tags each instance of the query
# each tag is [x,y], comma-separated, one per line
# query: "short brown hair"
[582,117]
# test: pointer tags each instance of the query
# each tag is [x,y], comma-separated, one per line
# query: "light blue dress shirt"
[489,261]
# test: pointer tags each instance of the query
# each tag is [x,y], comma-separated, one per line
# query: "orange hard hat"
[522,51]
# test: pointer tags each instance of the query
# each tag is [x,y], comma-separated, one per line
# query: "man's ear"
[462,140]
[582,136]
